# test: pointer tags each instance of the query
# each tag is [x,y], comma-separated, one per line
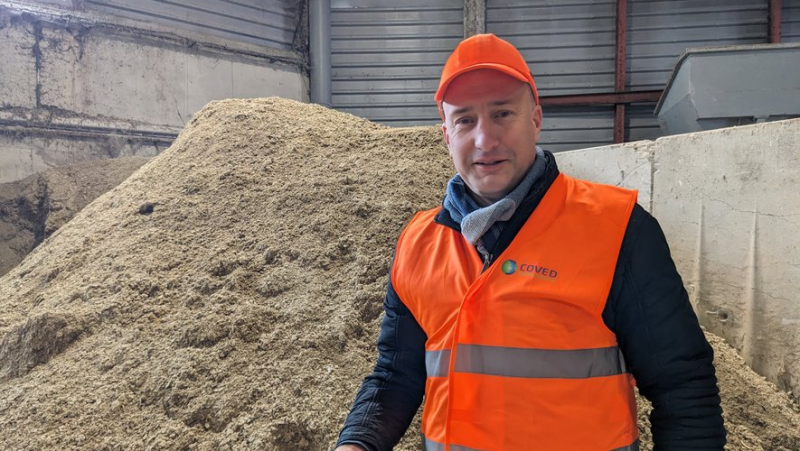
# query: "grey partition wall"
[387,55]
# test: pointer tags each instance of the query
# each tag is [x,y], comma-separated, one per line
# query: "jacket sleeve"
[389,397]
[662,342]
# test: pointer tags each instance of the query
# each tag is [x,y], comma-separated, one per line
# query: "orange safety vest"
[518,357]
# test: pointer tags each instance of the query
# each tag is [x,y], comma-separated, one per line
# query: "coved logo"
[510,267]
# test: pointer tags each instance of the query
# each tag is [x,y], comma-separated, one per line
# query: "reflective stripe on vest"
[430,445]
[437,362]
[531,363]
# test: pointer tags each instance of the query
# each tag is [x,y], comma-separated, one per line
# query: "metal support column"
[319,12]
[619,72]
[474,17]
[775,21]
[601,98]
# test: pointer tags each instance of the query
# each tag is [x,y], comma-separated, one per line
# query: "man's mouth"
[489,163]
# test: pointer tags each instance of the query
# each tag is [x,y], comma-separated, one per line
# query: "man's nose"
[486,135]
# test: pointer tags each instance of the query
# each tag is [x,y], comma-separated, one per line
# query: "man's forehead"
[459,109]
[466,95]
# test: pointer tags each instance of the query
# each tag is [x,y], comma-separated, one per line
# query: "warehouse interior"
[148,165]
[96,79]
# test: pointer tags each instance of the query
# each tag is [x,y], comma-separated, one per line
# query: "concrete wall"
[80,85]
[729,203]
[627,165]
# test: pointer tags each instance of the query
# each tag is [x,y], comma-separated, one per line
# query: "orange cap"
[485,51]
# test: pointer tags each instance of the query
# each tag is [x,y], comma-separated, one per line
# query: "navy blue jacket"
[647,308]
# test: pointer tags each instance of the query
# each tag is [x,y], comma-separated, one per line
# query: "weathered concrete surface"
[22,155]
[113,78]
[104,75]
[729,202]
[33,208]
[73,85]
[17,65]
[211,78]
[17,160]
[627,165]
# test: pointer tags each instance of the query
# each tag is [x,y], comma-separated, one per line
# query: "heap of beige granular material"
[33,208]
[228,294]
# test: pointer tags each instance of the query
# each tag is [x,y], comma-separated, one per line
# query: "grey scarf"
[482,226]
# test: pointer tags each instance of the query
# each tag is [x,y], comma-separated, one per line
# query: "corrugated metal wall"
[640,122]
[570,47]
[659,31]
[387,55]
[567,128]
[265,22]
[790,21]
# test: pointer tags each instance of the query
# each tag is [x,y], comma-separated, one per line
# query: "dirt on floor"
[228,294]
[33,208]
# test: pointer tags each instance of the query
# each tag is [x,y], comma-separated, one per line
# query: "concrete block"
[210,78]
[18,159]
[626,165]
[96,75]
[24,155]
[18,64]
[729,203]
[143,81]
[252,81]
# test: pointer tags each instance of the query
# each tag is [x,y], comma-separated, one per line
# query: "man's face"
[491,127]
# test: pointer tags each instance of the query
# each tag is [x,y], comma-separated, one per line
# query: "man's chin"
[488,197]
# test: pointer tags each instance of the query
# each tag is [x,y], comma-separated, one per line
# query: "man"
[524,308]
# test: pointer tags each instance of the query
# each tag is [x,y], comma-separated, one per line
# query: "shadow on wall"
[33,208]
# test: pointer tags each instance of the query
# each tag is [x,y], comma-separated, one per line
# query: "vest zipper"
[487,262]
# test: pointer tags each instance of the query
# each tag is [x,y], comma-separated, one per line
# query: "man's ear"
[445,136]
[537,120]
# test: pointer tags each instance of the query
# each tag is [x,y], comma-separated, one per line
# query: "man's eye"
[504,113]
[463,121]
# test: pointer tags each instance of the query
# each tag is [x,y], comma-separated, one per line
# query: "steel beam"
[602,99]
[775,21]
[474,17]
[319,18]
[619,70]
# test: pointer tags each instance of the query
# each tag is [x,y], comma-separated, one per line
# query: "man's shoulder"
[422,219]
[597,198]
[426,215]
[596,185]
